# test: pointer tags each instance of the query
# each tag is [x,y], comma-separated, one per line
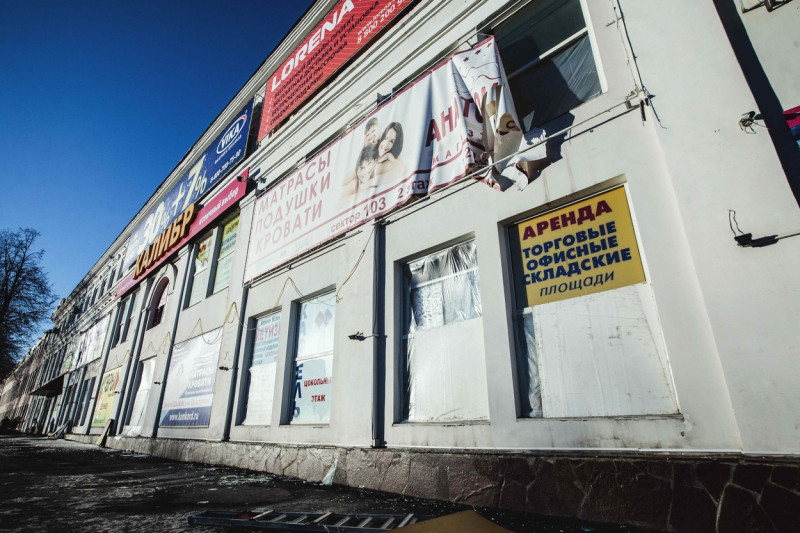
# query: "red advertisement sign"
[211,211]
[348,28]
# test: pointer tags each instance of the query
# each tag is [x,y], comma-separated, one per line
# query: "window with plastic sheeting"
[87,397]
[548,59]
[313,360]
[257,410]
[587,331]
[119,322]
[126,328]
[444,367]
[144,381]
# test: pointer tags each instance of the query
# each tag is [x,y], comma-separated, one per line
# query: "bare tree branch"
[26,297]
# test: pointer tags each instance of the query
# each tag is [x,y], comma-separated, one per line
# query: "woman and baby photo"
[378,162]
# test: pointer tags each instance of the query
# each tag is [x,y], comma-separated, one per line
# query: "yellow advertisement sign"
[108,393]
[581,249]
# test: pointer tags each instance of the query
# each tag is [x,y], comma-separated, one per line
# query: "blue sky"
[100,100]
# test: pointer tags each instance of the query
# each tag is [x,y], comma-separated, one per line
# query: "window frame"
[216,236]
[402,414]
[218,257]
[210,237]
[553,52]
[290,378]
[246,379]
[119,320]
[161,292]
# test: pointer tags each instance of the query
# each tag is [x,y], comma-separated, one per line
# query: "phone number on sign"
[378,20]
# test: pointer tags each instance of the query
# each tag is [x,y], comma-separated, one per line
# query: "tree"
[26,296]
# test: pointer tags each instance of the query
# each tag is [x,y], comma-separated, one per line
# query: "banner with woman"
[426,137]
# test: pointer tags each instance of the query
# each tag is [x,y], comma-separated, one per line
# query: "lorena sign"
[348,28]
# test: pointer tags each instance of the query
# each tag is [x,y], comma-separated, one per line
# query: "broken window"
[548,59]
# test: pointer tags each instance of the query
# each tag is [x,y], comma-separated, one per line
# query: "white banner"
[190,382]
[261,387]
[90,344]
[428,136]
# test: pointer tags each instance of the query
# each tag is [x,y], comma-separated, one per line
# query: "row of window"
[593,338]
[550,66]
[587,343]
[213,259]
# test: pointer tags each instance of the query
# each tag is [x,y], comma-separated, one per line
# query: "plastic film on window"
[444,287]
[530,386]
[555,86]
[444,300]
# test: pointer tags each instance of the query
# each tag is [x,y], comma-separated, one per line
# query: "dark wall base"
[725,493]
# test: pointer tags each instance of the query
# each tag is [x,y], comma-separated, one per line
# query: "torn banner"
[505,144]
[427,137]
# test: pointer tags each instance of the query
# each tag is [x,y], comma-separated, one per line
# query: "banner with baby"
[454,121]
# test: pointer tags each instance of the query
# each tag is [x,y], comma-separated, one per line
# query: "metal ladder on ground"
[298,521]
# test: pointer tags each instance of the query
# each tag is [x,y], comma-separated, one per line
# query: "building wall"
[741,286]
[697,359]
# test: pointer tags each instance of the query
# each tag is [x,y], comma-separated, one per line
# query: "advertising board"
[109,387]
[348,28]
[583,248]
[192,373]
[427,137]
[220,157]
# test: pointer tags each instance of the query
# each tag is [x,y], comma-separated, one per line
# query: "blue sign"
[218,159]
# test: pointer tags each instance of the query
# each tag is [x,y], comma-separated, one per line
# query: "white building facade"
[525,283]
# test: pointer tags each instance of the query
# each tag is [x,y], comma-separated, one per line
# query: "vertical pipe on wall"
[226,429]
[379,339]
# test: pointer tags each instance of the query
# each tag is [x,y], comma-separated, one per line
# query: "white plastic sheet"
[445,370]
[601,355]
[262,370]
[530,385]
[134,427]
[314,361]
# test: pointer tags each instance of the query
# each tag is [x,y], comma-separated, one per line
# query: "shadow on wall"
[761,88]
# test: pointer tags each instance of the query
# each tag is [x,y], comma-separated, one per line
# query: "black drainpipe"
[379,344]
[226,430]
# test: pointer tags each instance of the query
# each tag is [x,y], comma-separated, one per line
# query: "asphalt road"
[64,486]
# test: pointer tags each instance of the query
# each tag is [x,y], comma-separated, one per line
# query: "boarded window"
[588,336]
